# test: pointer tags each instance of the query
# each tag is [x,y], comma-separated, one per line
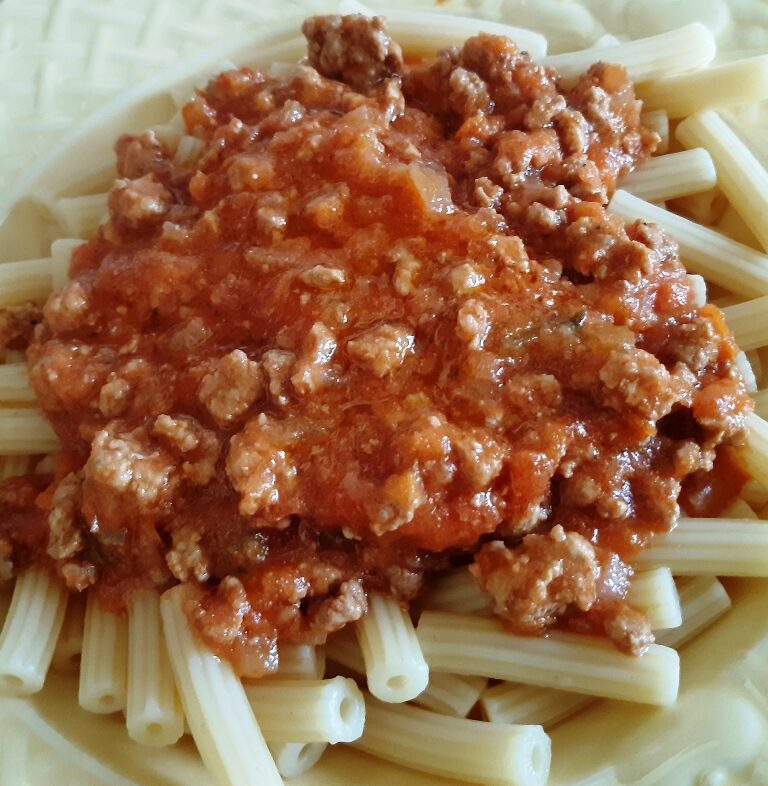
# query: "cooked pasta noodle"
[468,645]
[654,592]
[394,665]
[69,645]
[450,694]
[672,175]
[720,260]
[153,713]
[295,758]
[466,750]
[308,710]
[104,659]
[215,704]
[30,631]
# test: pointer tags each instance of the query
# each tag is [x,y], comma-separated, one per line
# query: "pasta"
[468,750]
[104,660]
[711,546]
[394,665]
[720,260]
[742,82]
[215,704]
[672,175]
[150,663]
[469,645]
[308,710]
[153,714]
[30,631]
[740,175]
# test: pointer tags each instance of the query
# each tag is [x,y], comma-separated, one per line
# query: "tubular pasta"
[29,634]
[749,322]
[692,46]
[740,175]
[153,709]
[14,384]
[69,645]
[308,710]
[672,175]
[512,703]
[295,758]
[654,592]
[216,707]
[761,403]
[450,694]
[658,121]
[730,84]
[81,216]
[394,664]
[104,659]
[25,432]
[13,466]
[722,261]
[754,453]
[299,661]
[343,648]
[724,547]
[703,600]
[467,750]
[457,591]
[470,645]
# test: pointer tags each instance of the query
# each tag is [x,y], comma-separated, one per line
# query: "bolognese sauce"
[380,323]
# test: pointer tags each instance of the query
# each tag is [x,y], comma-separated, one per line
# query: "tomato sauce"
[374,321]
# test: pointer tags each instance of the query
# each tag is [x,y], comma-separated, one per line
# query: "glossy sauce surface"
[368,327]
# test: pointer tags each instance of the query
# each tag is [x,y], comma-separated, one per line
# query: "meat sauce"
[378,322]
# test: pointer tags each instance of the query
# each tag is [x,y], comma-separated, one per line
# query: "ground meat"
[141,201]
[382,349]
[17,324]
[384,321]
[65,539]
[628,629]
[536,582]
[232,387]
[356,49]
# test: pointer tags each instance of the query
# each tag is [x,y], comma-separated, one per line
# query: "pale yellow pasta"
[688,47]
[732,224]
[761,403]
[740,175]
[69,645]
[653,591]
[457,591]
[699,287]
[754,452]
[738,509]
[308,710]
[14,384]
[514,703]
[295,758]
[730,84]
[466,750]
[215,705]
[749,322]
[104,659]
[29,634]
[743,364]
[81,216]
[672,175]
[755,494]
[450,694]
[153,713]
[703,600]
[13,466]
[706,207]
[658,121]
[394,664]
[723,547]
[343,648]
[299,661]
[24,432]
[29,280]
[462,644]
[188,151]
[722,261]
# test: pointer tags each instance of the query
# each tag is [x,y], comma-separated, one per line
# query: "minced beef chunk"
[386,318]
